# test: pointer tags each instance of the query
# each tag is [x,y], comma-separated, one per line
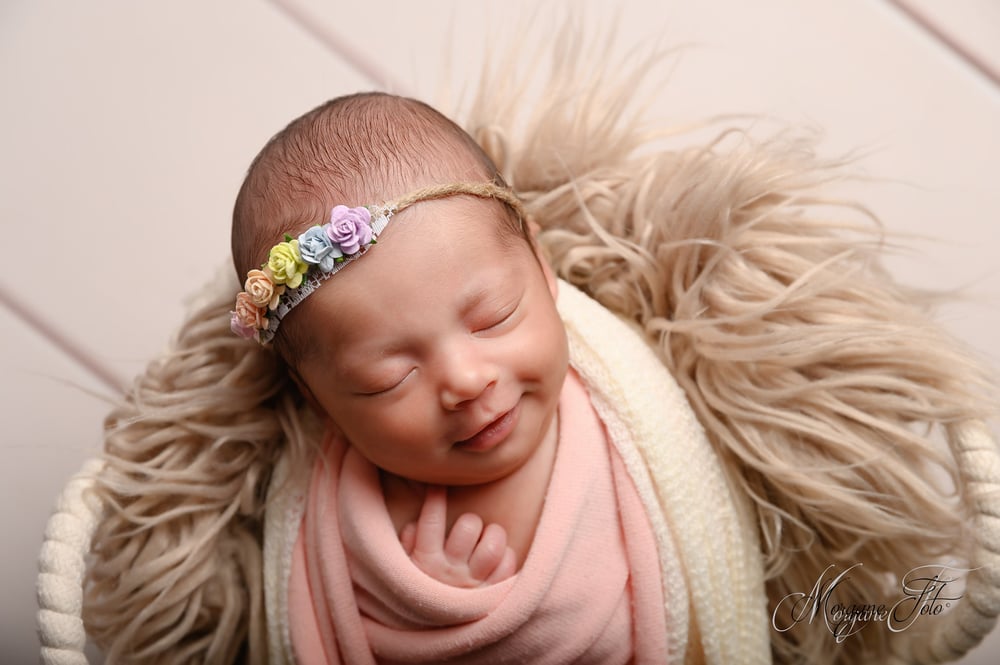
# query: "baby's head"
[437,353]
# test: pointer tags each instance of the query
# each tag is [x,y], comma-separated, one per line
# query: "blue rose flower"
[318,249]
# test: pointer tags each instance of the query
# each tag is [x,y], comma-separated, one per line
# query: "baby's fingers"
[463,538]
[408,538]
[429,537]
[490,553]
[507,567]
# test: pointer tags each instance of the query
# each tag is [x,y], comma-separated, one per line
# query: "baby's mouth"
[491,435]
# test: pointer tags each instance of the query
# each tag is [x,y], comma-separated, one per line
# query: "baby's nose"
[465,380]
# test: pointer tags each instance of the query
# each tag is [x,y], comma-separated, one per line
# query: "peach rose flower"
[262,290]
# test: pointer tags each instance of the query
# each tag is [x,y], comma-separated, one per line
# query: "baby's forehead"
[463,234]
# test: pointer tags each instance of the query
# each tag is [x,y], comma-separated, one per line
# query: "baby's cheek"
[400,430]
[550,346]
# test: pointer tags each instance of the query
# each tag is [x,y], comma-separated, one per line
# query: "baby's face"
[442,355]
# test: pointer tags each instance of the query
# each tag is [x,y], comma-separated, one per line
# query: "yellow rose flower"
[286,264]
[262,289]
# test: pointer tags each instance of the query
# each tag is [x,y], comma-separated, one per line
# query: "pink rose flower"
[236,325]
[248,315]
[350,228]
[262,290]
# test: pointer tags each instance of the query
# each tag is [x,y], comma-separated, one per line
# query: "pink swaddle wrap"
[589,590]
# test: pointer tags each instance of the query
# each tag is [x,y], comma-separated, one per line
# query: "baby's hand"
[471,556]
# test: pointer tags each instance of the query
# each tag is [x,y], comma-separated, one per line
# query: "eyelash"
[505,315]
[376,393]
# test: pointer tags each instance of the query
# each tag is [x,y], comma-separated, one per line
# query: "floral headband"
[296,267]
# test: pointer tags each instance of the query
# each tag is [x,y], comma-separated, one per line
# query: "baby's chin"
[465,476]
[465,470]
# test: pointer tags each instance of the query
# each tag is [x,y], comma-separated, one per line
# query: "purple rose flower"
[316,248]
[350,228]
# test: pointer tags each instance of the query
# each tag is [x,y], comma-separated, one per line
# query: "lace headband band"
[296,267]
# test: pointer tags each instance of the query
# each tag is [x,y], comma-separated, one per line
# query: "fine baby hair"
[816,415]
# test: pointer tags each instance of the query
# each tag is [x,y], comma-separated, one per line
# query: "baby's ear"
[548,272]
[542,256]
[533,228]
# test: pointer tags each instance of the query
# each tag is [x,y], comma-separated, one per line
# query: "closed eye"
[498,321]
[388,388]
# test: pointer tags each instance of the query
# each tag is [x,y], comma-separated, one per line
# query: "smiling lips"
[492,435]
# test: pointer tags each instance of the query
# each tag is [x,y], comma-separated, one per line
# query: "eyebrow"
[484,293]
[473,298]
